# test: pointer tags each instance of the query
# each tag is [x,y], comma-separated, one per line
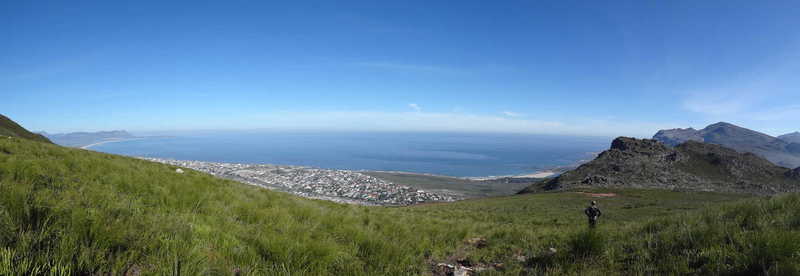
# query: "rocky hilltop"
[674,137]
[691,166]
[778,151]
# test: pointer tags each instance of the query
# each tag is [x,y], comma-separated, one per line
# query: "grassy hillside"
[10,128]
[75,212]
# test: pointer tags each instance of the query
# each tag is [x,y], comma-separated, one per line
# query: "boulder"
[477,242]
[463,271]
[549,252]
[442,269]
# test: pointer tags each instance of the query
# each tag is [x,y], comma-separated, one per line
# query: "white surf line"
[537,174]
[109,141]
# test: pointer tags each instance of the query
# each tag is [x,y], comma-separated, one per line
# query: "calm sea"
[454,154]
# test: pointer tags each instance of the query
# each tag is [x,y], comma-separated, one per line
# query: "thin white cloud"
[716,104]
[449,122]
[773,111]
[512,114]
[780,113]
[765,93]
[415,107]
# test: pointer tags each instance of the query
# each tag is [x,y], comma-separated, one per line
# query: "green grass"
[76,212]
[463,187]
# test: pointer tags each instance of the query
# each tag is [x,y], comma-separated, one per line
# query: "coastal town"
[336,185]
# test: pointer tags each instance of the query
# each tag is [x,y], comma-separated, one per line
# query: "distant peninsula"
[88,139]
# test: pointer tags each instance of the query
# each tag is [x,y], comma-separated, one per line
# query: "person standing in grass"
[593,212]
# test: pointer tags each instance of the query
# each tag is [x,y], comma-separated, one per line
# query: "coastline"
[113,140]
[536,174]
[343,186]
[541,173]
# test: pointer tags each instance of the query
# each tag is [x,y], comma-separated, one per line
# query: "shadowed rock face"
[674,137]
[778,151]
[794,174]
[643,163]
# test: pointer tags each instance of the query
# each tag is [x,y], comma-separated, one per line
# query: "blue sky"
[563,67]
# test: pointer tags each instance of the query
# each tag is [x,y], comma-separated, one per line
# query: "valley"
[98,213]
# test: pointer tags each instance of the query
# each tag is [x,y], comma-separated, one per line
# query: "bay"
[451,154]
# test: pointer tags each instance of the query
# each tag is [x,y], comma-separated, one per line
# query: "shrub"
[585,244]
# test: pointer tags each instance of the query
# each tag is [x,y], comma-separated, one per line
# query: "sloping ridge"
[778,151]
[692,165]
[11,128]
[793,137]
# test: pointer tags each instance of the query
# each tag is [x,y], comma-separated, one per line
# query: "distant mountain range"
[11,128]
[692,165]
[783,150]
[793,137]
[82,139]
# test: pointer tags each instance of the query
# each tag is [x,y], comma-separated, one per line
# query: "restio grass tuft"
[76,212]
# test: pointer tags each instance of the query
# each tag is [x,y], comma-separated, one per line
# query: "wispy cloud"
[512,114]
[415,107]
[716,103]
[783,113]
[766,98]
[449,122]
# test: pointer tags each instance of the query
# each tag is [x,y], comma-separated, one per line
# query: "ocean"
[452,154]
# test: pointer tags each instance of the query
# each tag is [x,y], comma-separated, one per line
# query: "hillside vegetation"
[12,129]
[691,166]
[75,212]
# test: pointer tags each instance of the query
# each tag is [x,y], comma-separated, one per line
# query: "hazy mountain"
[80,139]
[778,151]
[689,166]
[11,128]
[793,137]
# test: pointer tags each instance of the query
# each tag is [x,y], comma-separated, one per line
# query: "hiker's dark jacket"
[593,212]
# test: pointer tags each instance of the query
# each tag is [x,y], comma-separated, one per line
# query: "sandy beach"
[541,174]
[109,141]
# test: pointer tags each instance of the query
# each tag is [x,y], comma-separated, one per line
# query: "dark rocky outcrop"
[779,151]
[794,174]
[674,137]
[696,166]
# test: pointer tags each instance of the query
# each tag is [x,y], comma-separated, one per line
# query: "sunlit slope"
[88,213]
[96,212]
